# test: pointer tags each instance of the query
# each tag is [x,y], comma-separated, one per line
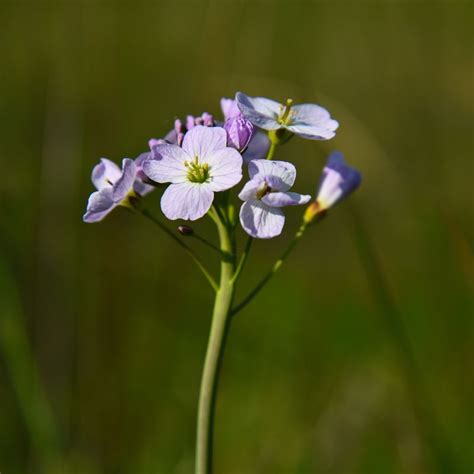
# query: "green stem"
[215,350]
[243,259]
[271,150]
[188,249]
[277,265]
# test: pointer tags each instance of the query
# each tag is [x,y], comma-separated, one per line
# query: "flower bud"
[185,230]
[207,119]
[239,132]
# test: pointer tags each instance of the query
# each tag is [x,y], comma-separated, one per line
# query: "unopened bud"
[185,230]
[239,132]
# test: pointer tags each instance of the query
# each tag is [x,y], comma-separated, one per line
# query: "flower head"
[337,182]
[265,194]
[115,187]
[201,166]
[306,120]
[241,134]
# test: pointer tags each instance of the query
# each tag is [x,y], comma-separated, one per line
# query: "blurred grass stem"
[43,431]
[431,432]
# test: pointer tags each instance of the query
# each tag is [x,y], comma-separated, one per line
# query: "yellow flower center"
[197,172]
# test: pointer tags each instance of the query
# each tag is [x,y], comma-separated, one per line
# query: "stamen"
[285,115]
[197,173]
[263,191]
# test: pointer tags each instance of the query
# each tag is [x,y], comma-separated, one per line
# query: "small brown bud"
[185,230]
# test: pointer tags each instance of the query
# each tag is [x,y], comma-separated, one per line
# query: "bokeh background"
[357,358]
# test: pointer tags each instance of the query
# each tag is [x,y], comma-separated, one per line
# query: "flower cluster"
[202,156]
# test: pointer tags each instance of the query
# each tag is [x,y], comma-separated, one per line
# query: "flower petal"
[257,148]
[186,201]
[285,199]
[338,181]
[230,109]
[139,160]
[283,174]
[261,221]
[170,137]
[125,183]
[105,174]
[99,205]
[201,141]
[260,111]
[167,164]
[251,188]
[312,121]
[225,168]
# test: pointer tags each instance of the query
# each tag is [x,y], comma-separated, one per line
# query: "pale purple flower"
[201,166]
[242,135]
[306,120]
[115,187]
[239,132]
[265,194]
[337,182]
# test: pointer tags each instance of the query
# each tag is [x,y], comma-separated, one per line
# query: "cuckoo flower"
[241,134]
[203,165]
[337,182]
[114,187]
[239,129]
[265,194]
[306,120]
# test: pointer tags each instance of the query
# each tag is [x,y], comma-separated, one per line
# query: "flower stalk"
[215,350]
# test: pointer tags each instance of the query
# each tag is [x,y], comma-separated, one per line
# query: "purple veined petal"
[251,188]
[170,168]
[257,148]
[140,186]
[280,199]
[230,109]
[100,203]
[315,132]
[203,140]
[105,174]
[152,142]
[139,160]
[312,121]
[260,111]
[337,181]
[261,221]
[282,173]
[171,137]
[187,200]
[125,183]
[225,168]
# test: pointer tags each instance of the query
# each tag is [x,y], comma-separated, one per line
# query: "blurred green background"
[357,358]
